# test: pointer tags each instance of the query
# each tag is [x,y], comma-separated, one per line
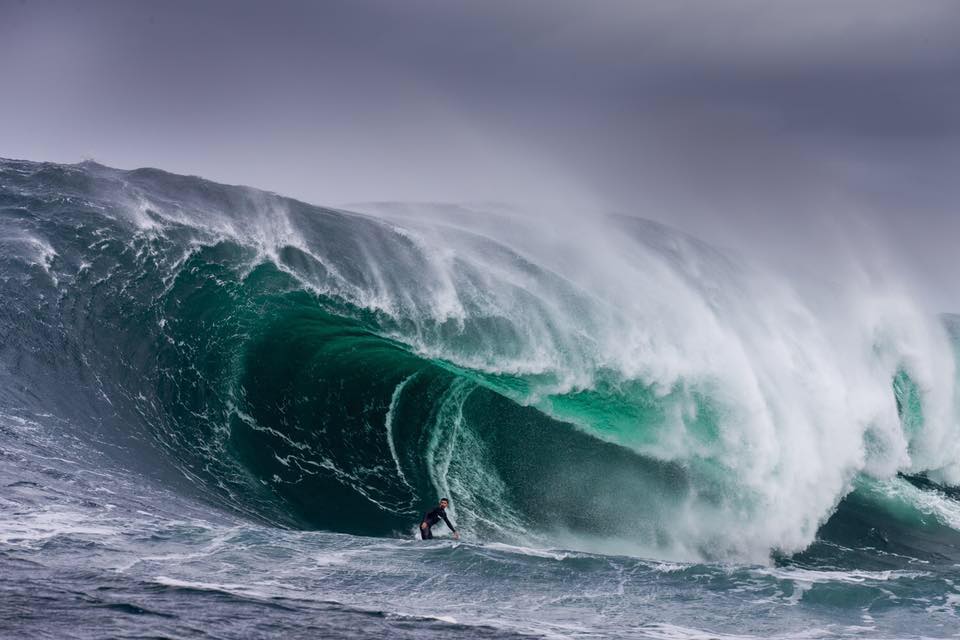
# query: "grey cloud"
[763,125]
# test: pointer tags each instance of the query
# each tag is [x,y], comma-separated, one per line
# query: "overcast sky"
[778,128]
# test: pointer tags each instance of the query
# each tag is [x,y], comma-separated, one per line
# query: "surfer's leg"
[426,533]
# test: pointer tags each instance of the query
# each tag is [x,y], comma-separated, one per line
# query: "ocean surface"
[223,413]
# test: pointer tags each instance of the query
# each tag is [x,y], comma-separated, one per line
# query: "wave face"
[610,385]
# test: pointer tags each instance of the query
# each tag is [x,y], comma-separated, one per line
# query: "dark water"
[222,413]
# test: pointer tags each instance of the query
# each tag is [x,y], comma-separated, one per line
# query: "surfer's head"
[444,503]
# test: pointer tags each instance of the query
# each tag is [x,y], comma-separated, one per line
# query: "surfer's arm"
[450,526]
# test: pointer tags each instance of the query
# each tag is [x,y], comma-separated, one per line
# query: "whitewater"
[223,412]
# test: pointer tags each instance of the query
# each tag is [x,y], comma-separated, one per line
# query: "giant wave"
[603,383]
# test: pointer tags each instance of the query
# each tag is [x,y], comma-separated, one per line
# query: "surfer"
[433,517]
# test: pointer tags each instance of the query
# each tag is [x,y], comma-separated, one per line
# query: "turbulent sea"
[223,413]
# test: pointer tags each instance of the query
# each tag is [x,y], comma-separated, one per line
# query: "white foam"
[823,576]
[34,527]
[532,551]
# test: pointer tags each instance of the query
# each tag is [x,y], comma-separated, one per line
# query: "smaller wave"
[927,504]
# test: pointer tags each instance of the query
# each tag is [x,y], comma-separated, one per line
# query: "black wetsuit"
[431,519]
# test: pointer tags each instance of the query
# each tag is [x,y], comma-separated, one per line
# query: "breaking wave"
[600,383]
